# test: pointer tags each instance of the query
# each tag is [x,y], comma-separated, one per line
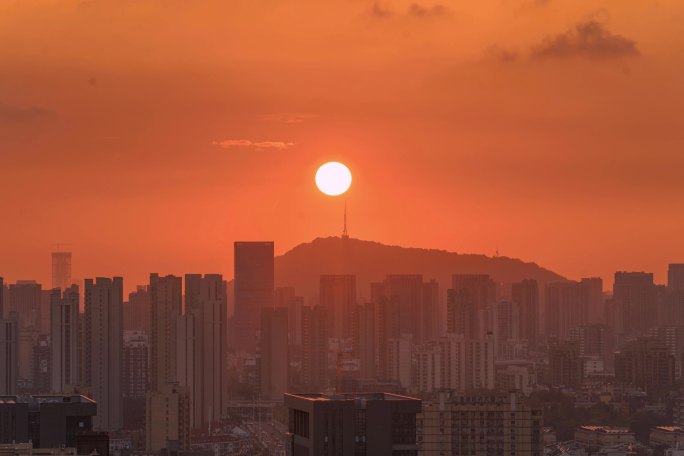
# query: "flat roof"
[46,398]
[352,396]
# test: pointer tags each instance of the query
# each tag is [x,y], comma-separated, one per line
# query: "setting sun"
[333,178]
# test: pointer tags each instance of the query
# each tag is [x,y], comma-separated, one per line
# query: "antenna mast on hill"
[345,233]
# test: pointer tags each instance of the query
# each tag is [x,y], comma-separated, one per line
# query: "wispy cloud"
[230,143]
[16,114]
[286,117]
[588,39]
[380,10]
[417,10]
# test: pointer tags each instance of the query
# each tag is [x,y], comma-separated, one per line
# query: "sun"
[333,178]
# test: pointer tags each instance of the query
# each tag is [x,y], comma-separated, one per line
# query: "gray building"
[46,420]
[355,424]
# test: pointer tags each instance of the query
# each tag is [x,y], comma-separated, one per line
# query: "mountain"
[302,266]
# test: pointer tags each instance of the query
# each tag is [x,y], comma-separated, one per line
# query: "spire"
[345,234]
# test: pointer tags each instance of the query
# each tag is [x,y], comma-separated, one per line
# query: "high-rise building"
[565,308]
[361,424]
[167,419]
[566,366]
[25,299]
[166,305]
[462,314]
[416,300]
[206,302]
[386,328]
[9,339]
[591,291]
[9,354]
[41,365]
[501,319]
[286,297]
[400,360]
[526,295]
[429,368]
[254,289]
[103,348]
[636,295]
[338,296]
[364,339]
[595,340]
[675,277]
[430,312]
[274,360]
[64,335]
[645,363]
[314,348]
[61,270]
[480,425]
[136,311]
[185,352]
[135,377]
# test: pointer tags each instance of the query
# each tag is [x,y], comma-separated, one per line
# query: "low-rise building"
[667,436]
[596,437]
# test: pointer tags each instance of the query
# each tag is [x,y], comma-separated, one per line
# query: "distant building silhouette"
[65,334]
[103,349]
[137,311]
[645,363]
[206,302]
[364,340]
[675,277]
[526,295]
[166,305]
[314,348]
[254,289]
[61,270]
[286,297]
[338,296]
[9,348]
[274,360]
[566,367]
[636,296]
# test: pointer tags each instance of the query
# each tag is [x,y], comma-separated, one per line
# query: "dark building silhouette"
[364,341]
[166,306]
[645,363]
[274,361]
[9,350]
[206,304]
[314,348]
[136,311]
[566,367]
[468,295]
[338,296]
[64,338]
[254,290]
[61,270]
[675,277]
[417,303]
[354,424]
[286,297]
[386,330]
[48,421]
[636,295]
[41,365]
[526,295]
[103,349]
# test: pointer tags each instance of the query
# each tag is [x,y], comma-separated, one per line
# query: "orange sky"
[551,129]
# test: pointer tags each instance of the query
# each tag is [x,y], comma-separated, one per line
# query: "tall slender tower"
[166,305]
[103,349]
[64,333]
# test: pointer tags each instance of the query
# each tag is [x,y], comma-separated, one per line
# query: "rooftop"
[46,398]
[353,396]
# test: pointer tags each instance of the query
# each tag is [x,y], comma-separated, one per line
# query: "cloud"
[502,55]
[228,143]
[380,11]
[420,11]
[16,114]
[286,117]
[587,39]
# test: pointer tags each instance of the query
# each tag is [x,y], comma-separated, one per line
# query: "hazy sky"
[551,129]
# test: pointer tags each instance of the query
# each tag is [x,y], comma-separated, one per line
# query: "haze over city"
[341,227]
